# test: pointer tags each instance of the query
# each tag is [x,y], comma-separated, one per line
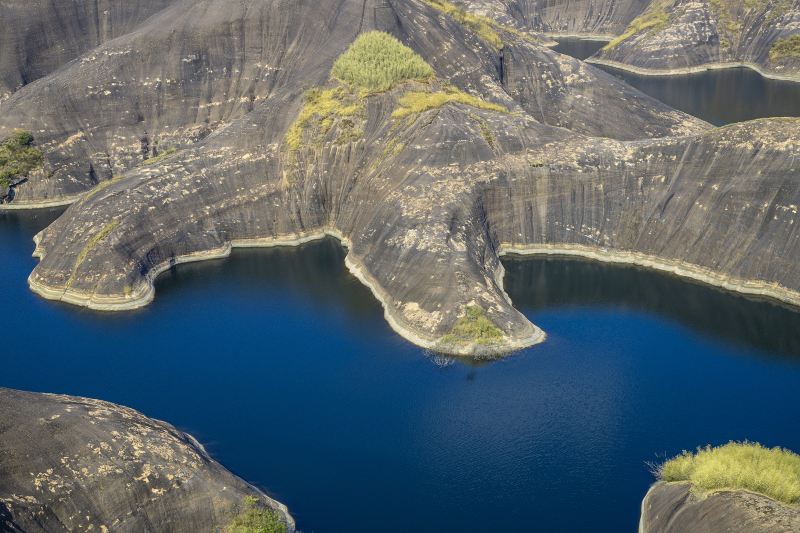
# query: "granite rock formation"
[77,464]
[673,508]
[689,35]
[182,138]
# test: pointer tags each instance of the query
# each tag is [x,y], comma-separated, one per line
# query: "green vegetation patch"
[18,157]
[160,157]
[376,62]
[253,518]
[773,472]
[483,27]
[415,102]
[323,109]
[785,48]
[473,328]
[654,19]
[90,245]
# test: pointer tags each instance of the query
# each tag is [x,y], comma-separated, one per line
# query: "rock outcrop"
[76,464]
[690,35]
[505,150]
[673,508]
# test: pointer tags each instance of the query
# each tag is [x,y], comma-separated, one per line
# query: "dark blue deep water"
[281,363]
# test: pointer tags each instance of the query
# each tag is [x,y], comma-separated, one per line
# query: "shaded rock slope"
[76,464]
[673,508]
[687,35]
[199,133]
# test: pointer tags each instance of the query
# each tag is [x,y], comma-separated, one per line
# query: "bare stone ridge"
[213,125]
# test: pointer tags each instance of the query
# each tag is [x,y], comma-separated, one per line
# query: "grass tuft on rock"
[415,102]
[785,48]
[18,157]
[324,108]
[654,19]
[253,518]
[474,327]
[773,472]
[483,27]
[376,62]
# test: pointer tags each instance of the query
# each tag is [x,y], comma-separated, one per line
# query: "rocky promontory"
[674,36]
[429,139]
[77,464]
[674,508]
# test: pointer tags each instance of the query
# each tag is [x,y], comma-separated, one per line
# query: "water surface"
[280,362]
[719,96]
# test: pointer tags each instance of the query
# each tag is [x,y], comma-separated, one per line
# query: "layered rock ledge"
[77,464]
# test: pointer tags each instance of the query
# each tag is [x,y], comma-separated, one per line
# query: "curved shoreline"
[145,294]
[607,37]
[682,269]
[692,70]
[58,202]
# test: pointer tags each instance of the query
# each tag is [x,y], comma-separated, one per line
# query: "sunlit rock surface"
[76,464]
[673,508]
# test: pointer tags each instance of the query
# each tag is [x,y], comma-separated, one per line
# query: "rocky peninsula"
[476,141]
[77,464]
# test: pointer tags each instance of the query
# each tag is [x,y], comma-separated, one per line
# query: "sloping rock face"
[426,201]
[685,35]
[76,464]
[39,36]
[672,508]
[563,17]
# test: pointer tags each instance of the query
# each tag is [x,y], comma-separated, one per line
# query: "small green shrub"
[18,157]
[473,327]
[376,62]
[254,519]
[785,48]
[773,472]
[414,102]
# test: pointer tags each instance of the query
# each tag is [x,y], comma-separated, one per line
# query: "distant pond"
[719,96]
[281,363]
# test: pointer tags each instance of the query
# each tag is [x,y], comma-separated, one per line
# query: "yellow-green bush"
[414,102]
[773,472]
[323,107]
[255,519]
[473,327]
[376,62]
[483,27]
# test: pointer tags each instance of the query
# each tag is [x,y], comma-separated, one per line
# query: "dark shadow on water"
[578,48]
[548,283]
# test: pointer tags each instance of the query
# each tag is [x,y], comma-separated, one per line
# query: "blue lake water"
[280,362]
[716,96]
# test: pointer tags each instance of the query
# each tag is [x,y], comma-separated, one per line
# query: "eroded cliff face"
[684,35]
[39,36]
[534,153]
[76,464]
[673,508]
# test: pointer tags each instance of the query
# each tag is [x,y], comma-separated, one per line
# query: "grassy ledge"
[473,327]
[414,102]
[253,518]
[654,19]
[483,27]
[785,48]
[18,157]
[94,241]
[773,472]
